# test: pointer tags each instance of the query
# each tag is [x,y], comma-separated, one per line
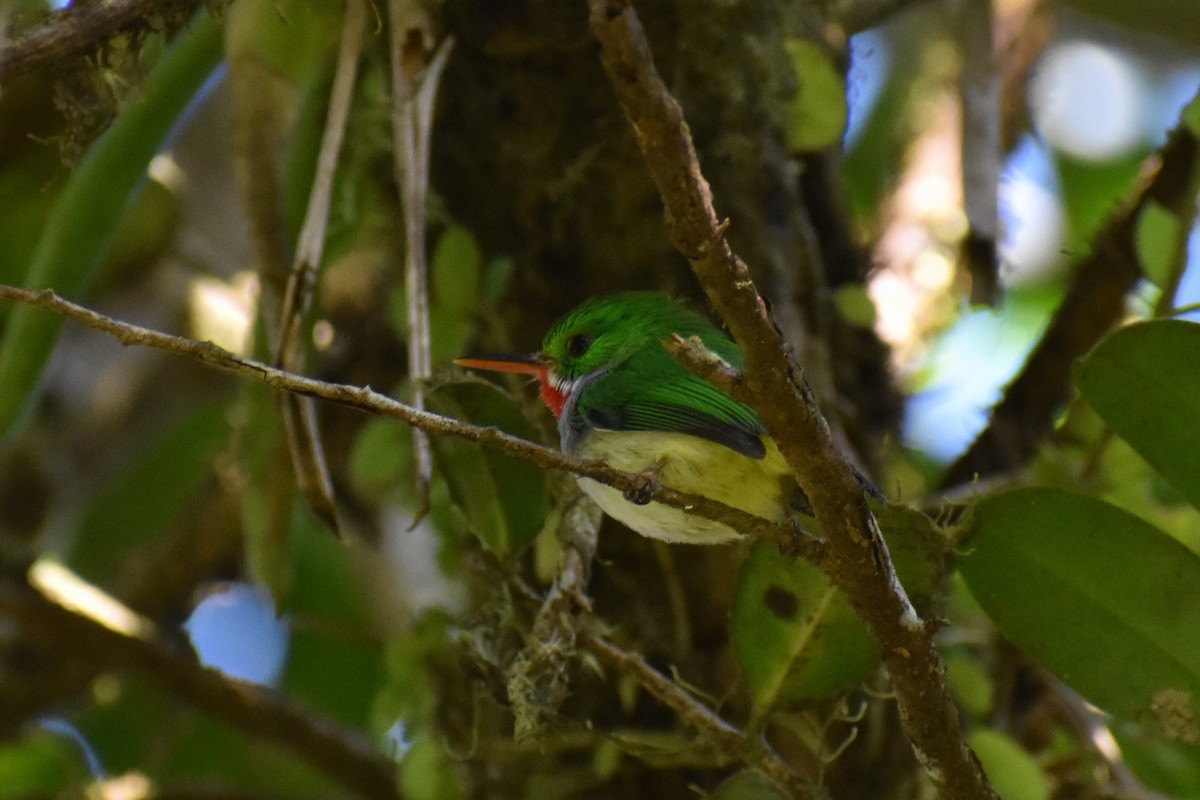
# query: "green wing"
[650,391]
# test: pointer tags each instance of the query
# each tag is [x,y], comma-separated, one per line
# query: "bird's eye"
[578,344]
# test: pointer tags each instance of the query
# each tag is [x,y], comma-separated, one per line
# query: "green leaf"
[428,770]
[1102,599]
[817,115]
[381,457]
[502,497]
[457,263]
[150,496]
[39,764]
[1191,116]
[267,498]
[797,637]
[1157,231]
[1162,766]
[1013,772]
[1144,381]
[748,784]
[971,683]
[80,227]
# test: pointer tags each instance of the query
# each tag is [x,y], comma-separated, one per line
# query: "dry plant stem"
[364,399]
[980,86]
[299,415]
[310,247]
[716,731]
[77,28]
[341,754]
[414,87]
[1094,303]
[857,560]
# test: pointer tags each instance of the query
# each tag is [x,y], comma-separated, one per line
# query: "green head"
[603,333]
[608,330]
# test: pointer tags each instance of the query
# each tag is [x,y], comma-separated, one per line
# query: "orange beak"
[523,363]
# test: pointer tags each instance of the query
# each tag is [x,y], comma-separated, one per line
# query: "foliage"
[447,645]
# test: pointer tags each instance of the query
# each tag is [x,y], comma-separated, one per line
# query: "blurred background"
[168,483]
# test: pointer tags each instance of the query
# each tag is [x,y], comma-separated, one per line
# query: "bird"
[621,397]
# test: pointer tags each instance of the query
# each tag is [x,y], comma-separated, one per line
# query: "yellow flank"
[689,464]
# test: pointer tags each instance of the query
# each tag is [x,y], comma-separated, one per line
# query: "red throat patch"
[551,396]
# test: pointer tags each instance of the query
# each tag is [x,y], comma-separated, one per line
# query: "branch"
[343,755]
[415,80]
[702,719]
[299,416]
[857,560]
[784,536]
[1094,303]
[75,29]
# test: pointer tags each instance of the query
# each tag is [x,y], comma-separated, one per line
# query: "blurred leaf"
[427,771]
[292,39]
[797,637]
[661,748]
[144,232]
[125,720]
[202,750]
[80,226]
[497,278]
[151,495]
[748,784]
[411,662]
[1157,232]
[381,457]
[1144,381]
[1175,19]
[1191,116]
[502,497]
[1099,597]
[817,115]
[1013,772]
[332,665]
[269,491]
[855,305]
[1162,766]
[456,267]
[39,764]
[971,684]
[456,271]
[1089,190]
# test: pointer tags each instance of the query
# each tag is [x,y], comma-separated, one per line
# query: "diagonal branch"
[702,719]
[343,755]
[364,399]
[1094,303]
[857,561]
[75,29]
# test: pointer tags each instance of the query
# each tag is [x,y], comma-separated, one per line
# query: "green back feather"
[643,388]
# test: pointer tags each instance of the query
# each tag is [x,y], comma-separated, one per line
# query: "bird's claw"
[648,485]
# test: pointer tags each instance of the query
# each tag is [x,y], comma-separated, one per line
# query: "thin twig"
[299,415]
[344,755]
[715,730]
[858,560]
[364,399]
[414,88]
[980,86]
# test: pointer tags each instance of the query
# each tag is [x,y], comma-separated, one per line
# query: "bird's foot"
[648,485]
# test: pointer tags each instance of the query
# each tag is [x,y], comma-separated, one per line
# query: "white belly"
[689,464]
